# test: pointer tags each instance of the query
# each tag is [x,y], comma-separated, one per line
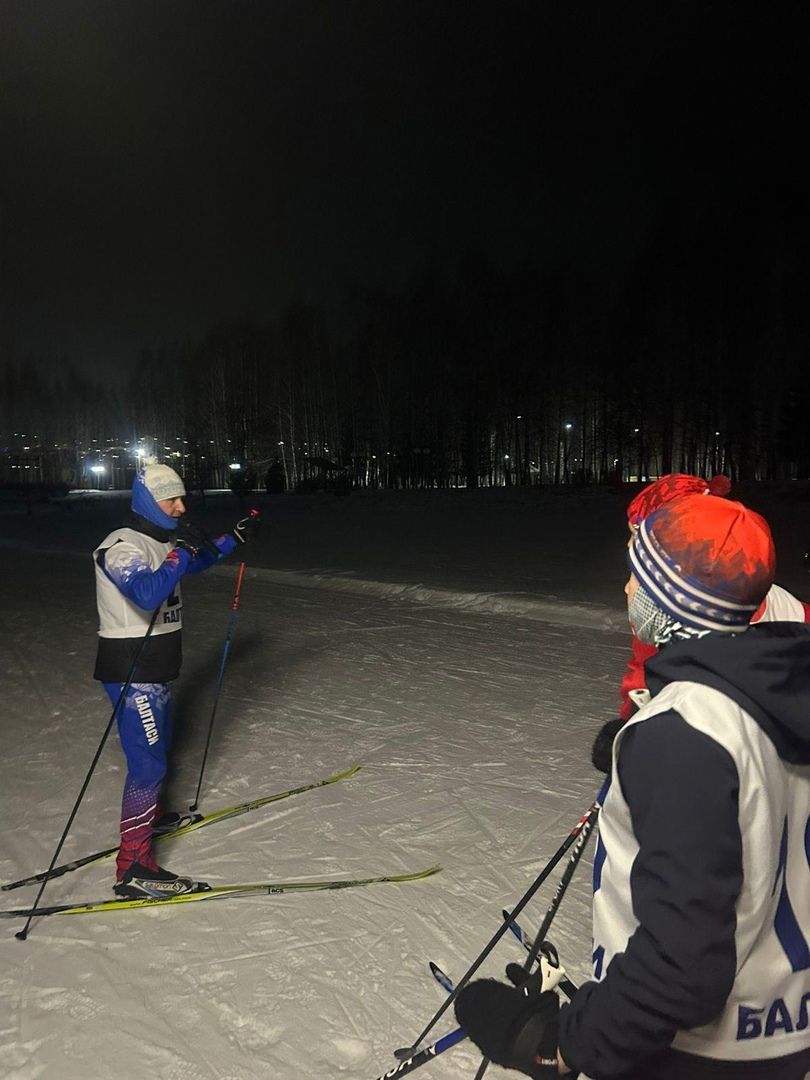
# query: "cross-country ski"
[218,892]
[194,822]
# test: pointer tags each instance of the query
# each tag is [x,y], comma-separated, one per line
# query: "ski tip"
[344,775]
[420,874]
[443,980]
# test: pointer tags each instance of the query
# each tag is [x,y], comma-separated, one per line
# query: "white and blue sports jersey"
[702,870]
[119,559]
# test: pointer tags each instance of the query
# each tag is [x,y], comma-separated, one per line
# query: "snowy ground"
[462,646]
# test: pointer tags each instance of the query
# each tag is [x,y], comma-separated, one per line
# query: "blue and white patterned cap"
[706,561]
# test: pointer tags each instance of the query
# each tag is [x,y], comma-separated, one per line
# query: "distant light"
[280,442]
[568,427]
[235,466]
[505,457]
[518,417]
[635,431]
[98,469]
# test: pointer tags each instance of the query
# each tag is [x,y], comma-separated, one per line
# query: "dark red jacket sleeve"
[634,675]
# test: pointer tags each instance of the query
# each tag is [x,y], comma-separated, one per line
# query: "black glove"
[602,749]
[512,1028]
[243,530]
[194,540]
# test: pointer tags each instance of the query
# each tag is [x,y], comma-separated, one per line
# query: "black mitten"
[514,1029]
[194,540]
[602,749]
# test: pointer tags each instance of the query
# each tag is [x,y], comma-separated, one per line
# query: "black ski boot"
[169,821]
[140,882]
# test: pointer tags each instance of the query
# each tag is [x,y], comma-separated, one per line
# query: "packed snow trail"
[474,732]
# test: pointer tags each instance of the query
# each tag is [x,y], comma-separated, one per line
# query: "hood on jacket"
[144,504]
[765,670]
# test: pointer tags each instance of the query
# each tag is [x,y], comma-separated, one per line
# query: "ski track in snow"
[473,729]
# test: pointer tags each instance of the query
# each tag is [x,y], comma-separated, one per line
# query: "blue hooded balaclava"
[151,484]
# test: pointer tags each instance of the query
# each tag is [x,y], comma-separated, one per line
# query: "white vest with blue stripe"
[767,1013]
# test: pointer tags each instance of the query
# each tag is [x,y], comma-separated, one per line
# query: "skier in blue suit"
[138,572]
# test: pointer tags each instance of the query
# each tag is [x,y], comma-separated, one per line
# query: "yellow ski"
[269,888]
[200,821]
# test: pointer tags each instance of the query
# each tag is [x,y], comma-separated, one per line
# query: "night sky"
[171,164]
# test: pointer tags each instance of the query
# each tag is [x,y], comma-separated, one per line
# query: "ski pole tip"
[21,935]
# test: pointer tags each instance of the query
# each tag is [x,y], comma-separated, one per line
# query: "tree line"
[697,360]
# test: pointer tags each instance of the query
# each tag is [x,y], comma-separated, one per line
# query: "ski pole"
[421,1057]
[553,907]
[409,1052]
[21,935]
[237,592]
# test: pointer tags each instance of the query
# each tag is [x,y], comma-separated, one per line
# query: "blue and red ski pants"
[145,730]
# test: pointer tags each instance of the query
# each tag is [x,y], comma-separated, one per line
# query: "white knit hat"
[163,482]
